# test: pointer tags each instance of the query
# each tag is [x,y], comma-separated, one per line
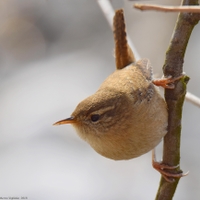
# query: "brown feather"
[123,53]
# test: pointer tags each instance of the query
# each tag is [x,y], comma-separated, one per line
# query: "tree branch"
[173,66]
[192,9]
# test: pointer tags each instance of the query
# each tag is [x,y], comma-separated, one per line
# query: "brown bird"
[126,117]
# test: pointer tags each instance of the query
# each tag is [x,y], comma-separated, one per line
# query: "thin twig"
[191,9]
[192,99]
[109,12]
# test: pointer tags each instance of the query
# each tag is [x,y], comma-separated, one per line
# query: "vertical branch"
[173,66]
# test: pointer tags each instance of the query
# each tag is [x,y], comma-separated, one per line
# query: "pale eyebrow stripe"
[103,110]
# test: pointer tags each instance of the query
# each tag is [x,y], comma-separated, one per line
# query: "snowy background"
[55,53]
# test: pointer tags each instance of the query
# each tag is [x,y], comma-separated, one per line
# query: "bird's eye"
[95,117]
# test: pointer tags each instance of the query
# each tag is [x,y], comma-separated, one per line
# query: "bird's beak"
[69,120]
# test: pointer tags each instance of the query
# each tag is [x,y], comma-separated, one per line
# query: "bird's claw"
[168,176]
[167,82]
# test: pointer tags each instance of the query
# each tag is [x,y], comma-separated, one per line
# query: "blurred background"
[53,54]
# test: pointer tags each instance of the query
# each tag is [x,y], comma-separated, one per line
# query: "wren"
[126,117]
